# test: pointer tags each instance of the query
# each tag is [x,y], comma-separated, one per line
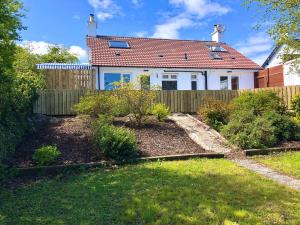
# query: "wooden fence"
[270,77]
[60,102]
[70,79]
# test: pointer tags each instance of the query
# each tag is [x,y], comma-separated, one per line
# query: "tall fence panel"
[60,102]
[70,79]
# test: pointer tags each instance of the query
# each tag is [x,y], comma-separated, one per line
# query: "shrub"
[117,143]
[46,155]
[97,104]
[249,131]
[215,113]
[296,105]
[161,111]
[258,103]
[259,120]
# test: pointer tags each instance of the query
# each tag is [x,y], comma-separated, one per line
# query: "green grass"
[288,163]
[186,192]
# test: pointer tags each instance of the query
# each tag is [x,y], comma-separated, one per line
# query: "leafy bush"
[104,103]
[46,155]
[161,111]
[248,131]
[259,120]
[296,105]
[215,113]
[117,143]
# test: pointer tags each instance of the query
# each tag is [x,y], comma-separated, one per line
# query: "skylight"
[216,48]
[118,44]
[215,55]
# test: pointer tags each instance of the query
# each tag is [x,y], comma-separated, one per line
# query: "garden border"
[29,171]
[268,151]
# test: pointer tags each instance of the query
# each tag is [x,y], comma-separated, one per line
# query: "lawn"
[288,163]
[179,192]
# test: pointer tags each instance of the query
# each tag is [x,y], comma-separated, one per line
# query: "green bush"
[104,103]
[161,111]
[215,113]
[117,143]
[248,131]
[259,120]
[296,105]
[258,103]
[46,155]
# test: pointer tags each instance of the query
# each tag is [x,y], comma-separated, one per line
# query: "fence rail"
[60,102]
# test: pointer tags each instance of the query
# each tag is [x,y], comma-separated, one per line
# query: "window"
[216,48]
[235,83]
[224,83]
[215,55]
[169,85]
[194,85]
[111,78]
[118,44]
[194,77]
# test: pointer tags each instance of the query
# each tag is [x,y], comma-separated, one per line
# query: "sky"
[64,22]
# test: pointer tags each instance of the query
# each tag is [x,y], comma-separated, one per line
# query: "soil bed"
[74,137]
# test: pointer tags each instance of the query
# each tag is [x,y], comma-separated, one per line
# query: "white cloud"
[42,47]
[105,9]
[136,3]
[171,28]
[201,8]
[76,17]
[193,13]
[257,47]
[141,34]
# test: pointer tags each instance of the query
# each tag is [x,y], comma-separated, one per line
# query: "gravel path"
[201,133]
[269,173]
[210,140]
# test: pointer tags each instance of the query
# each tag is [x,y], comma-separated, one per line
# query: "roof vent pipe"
[92,26]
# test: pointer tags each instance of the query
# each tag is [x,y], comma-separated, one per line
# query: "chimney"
[92,26]
[218,33]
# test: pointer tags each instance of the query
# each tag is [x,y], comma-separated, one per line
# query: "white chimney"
[218,33]
[92,26]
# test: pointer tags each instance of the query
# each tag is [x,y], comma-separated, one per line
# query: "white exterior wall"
[246,77]
[290,76]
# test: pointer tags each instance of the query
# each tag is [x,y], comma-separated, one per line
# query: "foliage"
[296,105]
[259,120]
[135,103]
[58,54]
[104,103]
[257,103]
[281,17]
[215,113]
[288,163]
[179,192]
[161,111]
[145,82]
[46,155]
[117,143]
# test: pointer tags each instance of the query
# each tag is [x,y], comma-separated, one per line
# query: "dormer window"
[118,44]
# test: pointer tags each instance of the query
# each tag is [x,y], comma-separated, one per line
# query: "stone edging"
[59,168]
[267,151]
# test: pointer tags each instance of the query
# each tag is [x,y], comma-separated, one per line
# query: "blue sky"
[64,22]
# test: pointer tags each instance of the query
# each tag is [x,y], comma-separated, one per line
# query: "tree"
[58,54]
[283,17]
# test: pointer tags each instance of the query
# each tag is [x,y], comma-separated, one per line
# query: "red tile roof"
[164,53]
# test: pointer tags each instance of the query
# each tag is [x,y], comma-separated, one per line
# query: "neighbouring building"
[277,73]
[171,64]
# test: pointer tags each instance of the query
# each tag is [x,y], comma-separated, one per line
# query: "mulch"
[74,138]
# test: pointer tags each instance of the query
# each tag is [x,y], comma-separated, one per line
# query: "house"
[277,73]
[171,64]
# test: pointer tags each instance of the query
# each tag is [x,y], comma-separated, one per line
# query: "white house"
[288,75]
[171,64]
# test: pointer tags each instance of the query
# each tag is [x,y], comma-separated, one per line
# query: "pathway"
[210,140]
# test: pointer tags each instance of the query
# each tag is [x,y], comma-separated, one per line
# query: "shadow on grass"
[186,192]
